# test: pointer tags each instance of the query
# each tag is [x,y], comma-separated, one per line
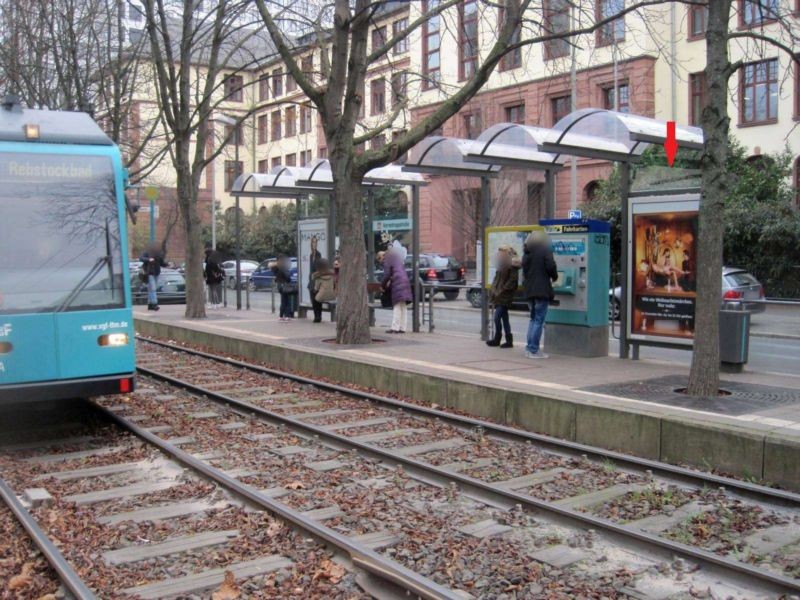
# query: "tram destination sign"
[37,168]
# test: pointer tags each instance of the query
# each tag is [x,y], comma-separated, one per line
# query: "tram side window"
[60,247]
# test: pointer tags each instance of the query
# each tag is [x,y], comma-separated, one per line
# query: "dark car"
[263,277]
[437,269]
[171,288]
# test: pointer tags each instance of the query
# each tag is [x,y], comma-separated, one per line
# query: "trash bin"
[734,337]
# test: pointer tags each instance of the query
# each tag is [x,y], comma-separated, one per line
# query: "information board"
[312,244]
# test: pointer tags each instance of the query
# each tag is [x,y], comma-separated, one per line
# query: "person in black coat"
[539,271]
[286,287]
[152,260]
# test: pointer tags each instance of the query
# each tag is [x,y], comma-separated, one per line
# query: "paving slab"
[241,472]
[206,414]
[377,540]
[530,480]
[159,429]
[323,413]
[375,483]
[65,456]
[38,497]
[192,584]
[385,435]
[92,471]
[286,405]
[355,424]
[210,455]
[235,391]
[661,523]
[131,554]
[274,492]
[464,465]
[116,493]
[484,529]
[289,450]
[773,538]
[160,513]
[323,514]
[180,441]
[325,465]
[447,444]
[232,426]
[560,556]
[258,437]
[599,496]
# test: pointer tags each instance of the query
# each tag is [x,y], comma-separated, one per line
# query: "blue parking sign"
[575,214]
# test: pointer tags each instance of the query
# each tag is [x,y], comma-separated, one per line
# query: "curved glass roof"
[447,156]
[610,135]
[514,145]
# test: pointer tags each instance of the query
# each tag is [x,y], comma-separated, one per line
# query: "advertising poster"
[663,267]
[312,238]
[504,236]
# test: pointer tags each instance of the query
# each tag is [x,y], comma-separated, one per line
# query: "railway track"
[743,535]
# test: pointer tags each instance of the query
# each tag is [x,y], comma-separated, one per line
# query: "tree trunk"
[195,284]
[704,376]
[352,313]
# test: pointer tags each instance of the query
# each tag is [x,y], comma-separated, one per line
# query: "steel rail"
[482,489]
[367,559]
[65,572]
[697,478]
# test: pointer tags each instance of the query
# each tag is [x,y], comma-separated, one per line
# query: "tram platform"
[624,405]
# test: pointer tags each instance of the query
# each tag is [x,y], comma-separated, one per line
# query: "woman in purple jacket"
[395,281]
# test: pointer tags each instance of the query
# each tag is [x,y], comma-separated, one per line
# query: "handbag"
[287,287]
[142,274]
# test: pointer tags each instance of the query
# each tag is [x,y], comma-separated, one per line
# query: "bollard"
[247,293]
[272,293]
[225,295]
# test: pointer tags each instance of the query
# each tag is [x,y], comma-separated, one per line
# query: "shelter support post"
[486,210]
[238,218]
[624,190]
[370,238]
[331,228]
[550,194]
[415,256]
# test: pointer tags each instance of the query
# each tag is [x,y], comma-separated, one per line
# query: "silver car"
[246,266]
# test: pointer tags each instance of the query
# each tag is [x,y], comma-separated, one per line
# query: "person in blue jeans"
[152,261]
[539,271]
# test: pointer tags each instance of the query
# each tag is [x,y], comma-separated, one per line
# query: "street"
[768,354]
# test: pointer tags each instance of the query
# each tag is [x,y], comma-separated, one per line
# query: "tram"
[66,325]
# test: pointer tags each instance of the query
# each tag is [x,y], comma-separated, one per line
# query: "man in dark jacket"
[539,270]
[152,260]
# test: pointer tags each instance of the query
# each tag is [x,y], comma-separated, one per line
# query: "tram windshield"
[59,234]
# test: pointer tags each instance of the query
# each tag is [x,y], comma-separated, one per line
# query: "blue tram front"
[66,326]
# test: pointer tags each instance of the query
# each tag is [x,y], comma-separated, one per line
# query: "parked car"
[246,266]
[440,270]
[263,277]
[171,288]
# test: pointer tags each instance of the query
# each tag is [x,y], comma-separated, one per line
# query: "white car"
[247,267]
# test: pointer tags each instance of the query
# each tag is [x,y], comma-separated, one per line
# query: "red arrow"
[671,144]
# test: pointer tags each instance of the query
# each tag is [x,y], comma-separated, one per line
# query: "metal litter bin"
[734,337]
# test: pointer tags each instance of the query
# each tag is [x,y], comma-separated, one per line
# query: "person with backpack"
[539,270]
[324,289]
[501,294]
[215,276]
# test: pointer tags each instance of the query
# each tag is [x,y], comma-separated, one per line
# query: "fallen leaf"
[329,570]
[274,528]
[228,590]
[23,579]
[296,485]
[47,597]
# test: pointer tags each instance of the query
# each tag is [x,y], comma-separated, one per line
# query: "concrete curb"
[706,441]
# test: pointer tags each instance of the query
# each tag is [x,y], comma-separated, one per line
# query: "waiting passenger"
[286,287]
[395,281]
[539,270]
[501,294]
[215,276]
[152,261]
[323,289]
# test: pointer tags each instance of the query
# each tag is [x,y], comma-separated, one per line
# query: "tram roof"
[55,126]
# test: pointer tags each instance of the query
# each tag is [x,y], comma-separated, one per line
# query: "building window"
[305,119]
[515,114]
[757,12]
[263,166]
[472,125]
[468,38]
[262,129]
[377,96]
[613,31]
[697,96]
[399,85]
[291,84]
[378,37]
[275,119]
[276,162]
[323,152]
[610,101]
[398,27]
[232,170]
[758,85]
[134,13]
[277,83]
[307,66]
[556,19]
[291,160]
[263,88]
[234,86]
[305,157]
[591,190]
[560,107]
[359,148]
[363,106]
[233,133]
[431,52]
[512,59]
[291,121]
[698,16]
[378,142]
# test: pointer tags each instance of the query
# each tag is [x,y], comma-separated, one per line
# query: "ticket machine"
[578,324]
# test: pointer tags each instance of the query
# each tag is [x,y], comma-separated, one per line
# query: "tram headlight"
[113,339]
[31,131]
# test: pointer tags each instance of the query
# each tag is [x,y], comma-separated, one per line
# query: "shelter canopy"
[610,135]
[447,156]
[515,145]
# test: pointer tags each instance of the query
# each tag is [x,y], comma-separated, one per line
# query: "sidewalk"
[619,404]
